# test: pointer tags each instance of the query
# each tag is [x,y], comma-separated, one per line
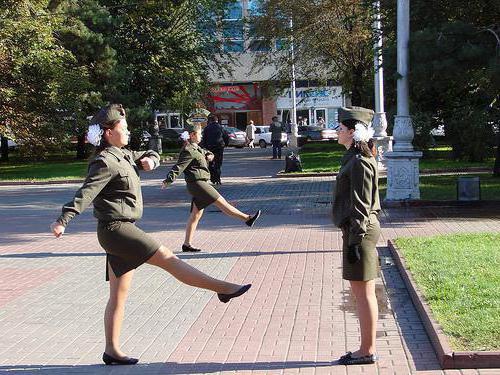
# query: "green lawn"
[326,157]
[459,278]
[58,167]
[445,187]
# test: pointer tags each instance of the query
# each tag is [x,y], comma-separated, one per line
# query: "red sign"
[239,97]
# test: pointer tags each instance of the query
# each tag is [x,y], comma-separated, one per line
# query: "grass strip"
[51,170]
[459,278]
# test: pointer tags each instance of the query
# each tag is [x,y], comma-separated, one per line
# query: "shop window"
[259,45]
[233,45]
[254,7]
[232,29]
[234,11]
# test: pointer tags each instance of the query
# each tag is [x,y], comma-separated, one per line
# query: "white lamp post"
[402,163]
[383,142]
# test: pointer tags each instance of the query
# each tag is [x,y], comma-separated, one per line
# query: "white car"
[263,137]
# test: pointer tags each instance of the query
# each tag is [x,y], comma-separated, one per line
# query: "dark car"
[171,137]
[316,133]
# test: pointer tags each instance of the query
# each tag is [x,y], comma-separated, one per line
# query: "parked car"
[263,137]
[317,133]
[235,137]
[171,137]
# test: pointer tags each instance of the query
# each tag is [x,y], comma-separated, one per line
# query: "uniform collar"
[348,155]
[116,152]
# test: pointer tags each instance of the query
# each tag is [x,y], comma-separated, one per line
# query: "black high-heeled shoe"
[108,360]
[227,297]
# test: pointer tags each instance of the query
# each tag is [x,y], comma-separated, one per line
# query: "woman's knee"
[162,254]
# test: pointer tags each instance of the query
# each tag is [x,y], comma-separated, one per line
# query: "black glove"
[354,254]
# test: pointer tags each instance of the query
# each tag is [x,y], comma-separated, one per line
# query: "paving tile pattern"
[297,318]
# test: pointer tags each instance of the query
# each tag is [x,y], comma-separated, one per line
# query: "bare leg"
[367,307]
[230,210]
[192,223]
[113,315]
[187,274]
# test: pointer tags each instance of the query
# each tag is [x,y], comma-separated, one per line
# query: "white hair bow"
[94,134]
[184,136]
[363,133]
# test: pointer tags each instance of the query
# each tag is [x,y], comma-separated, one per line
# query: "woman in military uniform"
[113,185]
[193,161]
[355,210]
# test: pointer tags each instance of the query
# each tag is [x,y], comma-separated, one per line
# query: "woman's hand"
[210,157]
[147,164]
[57,229]
[165,184]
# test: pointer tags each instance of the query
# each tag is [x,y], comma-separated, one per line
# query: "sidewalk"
[297,317]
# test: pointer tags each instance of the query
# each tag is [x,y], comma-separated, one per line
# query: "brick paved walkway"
[297,317]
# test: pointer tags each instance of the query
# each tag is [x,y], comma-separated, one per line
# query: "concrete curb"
[446,356]
[423,172]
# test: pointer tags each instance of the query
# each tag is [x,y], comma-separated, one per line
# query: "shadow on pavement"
[166,368]
[179,255]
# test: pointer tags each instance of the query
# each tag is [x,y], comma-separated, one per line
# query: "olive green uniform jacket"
[113,185]
[193,162]
[356,194]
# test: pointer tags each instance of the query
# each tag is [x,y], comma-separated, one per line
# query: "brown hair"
[364,148]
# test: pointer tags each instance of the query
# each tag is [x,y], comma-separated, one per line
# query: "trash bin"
[292,163]
[468,188]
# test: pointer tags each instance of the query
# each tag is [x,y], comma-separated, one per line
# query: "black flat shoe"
[252,220]
[189,249]
[347,359]
[227,297]
[108,360]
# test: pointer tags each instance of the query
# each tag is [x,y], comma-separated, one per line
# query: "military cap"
[108,114]
[191,127]
[361,114]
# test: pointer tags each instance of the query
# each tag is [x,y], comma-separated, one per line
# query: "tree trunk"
[80,147]
[4,148]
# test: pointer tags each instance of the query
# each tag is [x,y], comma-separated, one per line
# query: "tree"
[332,39]
[38,77]
[454,70]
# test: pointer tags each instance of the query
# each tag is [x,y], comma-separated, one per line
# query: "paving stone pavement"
[298,316]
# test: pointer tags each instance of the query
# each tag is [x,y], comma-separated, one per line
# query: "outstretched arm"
[97,178]
[184,159]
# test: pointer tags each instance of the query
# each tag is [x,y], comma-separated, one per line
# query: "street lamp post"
[383,142]
[294,129]
[402,163]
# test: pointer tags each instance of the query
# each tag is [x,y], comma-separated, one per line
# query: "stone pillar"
[402,163]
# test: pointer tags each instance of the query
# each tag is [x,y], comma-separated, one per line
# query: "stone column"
[402,163]
[379,123]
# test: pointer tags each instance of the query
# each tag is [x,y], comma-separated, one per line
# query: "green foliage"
[458,276]
[454,72]
[333,39]
[60,60]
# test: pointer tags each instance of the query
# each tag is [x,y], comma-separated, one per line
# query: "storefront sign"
[312,97]
[237,97]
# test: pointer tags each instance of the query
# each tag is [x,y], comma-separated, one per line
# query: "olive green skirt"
[203,194]
[368,267]
[126,246]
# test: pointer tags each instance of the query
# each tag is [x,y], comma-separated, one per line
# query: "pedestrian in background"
[276,128]
[355,211]
[250,130]
[193,161]
[214,140]
[114,186]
